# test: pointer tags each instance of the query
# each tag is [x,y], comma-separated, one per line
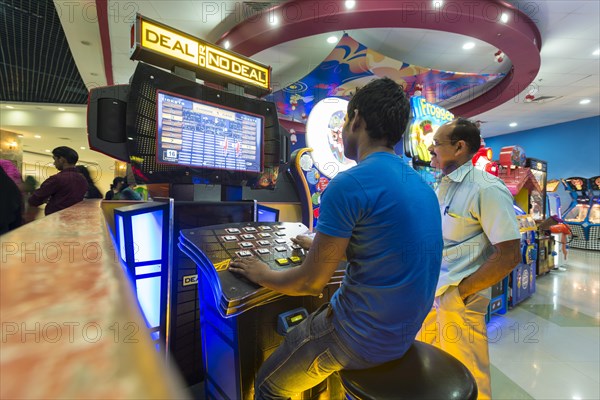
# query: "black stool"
[425,372]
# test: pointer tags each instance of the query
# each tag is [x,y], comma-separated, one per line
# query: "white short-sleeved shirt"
[477,212]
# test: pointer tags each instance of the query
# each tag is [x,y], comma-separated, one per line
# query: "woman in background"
[92,192]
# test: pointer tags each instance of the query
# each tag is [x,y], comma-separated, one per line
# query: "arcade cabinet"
[521,183]
[243,323]
[174,130]
[426,118]
[583,215]
[537,200]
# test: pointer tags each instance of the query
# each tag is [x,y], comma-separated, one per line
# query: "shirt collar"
[459,173]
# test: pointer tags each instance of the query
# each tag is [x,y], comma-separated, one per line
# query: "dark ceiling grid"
[36,64]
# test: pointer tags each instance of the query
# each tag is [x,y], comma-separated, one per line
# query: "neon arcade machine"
[583,215]
[522,184]
[426,118]
[174,130]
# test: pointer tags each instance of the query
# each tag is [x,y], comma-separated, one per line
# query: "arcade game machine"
[521,283]
[314,166]
[539,212]
[521,182]
[174,130]
[594,216]
[426,118]
[537,201]
[583,216]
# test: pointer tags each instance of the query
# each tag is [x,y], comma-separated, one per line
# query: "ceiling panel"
[570,33]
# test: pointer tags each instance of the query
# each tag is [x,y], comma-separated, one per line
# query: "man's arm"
[505,257]
[47,189]
[307,279]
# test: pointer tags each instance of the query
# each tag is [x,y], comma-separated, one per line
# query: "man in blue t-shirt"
[384,219]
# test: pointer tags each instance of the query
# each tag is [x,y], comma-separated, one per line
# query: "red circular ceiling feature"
[518,38]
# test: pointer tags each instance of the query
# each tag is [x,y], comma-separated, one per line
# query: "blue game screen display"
[198,134]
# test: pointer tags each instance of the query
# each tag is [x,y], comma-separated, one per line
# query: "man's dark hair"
[384,107]
[68,153]
[467,131]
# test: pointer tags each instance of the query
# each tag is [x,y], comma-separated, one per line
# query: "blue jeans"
[309,354]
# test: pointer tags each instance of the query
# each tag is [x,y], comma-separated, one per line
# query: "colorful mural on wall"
[351,65]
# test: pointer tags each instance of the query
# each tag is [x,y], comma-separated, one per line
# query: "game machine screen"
[182,132]
[323,158]
[195,133]
[537,199]
[576,215]
[426,118]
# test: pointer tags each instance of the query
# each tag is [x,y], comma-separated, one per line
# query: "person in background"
[92,192]
[393,257]
[113,189]
[63,189]
[481,246]
[12,171]
[11,203]
[124,190]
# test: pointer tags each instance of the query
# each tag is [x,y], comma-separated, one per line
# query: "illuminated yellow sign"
[169,43]
[163,40]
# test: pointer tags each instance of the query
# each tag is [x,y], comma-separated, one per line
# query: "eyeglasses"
[435,143]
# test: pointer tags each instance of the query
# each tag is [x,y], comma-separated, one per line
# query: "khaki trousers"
[460,330]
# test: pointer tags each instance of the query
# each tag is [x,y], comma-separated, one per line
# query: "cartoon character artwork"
[577,183]
[335,139]
[424,137]
[324,135]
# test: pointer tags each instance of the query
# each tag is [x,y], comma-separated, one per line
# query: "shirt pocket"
[453,227]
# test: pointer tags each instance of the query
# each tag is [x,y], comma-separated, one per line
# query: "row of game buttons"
[263,251]
[249,245]
[251,229]
[249,236]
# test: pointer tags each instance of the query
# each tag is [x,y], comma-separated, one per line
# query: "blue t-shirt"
[393,221]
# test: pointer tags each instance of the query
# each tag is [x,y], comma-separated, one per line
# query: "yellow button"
[295,259]
[282,261]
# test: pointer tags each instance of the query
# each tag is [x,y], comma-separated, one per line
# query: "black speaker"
[106,120]
[111,120]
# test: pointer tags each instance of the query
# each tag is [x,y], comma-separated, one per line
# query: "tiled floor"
[548,347]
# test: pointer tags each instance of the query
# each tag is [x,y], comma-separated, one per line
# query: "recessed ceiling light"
[226,44]
[11,107]
[47,150]
[437,3]
[82,148]
[273,20]
[61,109]
[585,101]
[468,46]
[512,124]
[350,4]
[504,18]
[37,136]
[332,39]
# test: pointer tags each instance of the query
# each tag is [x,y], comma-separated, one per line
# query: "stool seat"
[424,372]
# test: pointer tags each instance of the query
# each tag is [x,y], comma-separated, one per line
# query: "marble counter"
[70,324]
